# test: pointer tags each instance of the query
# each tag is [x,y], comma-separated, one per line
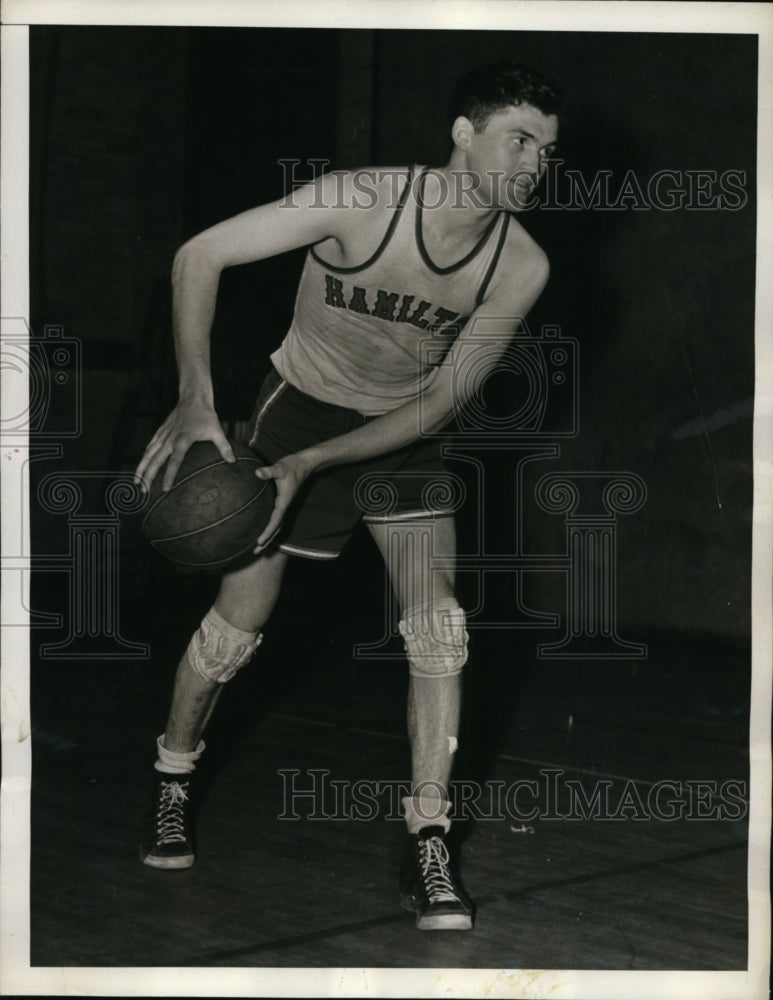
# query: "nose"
[532,164]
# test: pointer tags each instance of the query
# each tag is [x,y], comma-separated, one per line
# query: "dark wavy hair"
[496,86]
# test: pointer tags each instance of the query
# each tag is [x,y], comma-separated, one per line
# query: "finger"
[139,472]
[161,435]
[173,466]
[143,475]
[268,532]
[152,468]
[267,472]
[147,467]
[275,522]
[223,445]
[160,432]
[269,541]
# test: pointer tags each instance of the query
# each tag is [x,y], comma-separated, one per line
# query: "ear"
[462,132]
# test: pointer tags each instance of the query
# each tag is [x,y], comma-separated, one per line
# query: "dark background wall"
[143,136]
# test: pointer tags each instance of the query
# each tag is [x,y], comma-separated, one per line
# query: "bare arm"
[474,352]
[254,235]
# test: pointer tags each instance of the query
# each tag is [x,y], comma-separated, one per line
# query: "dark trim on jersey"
[384,243]
[494,260]
[420,238]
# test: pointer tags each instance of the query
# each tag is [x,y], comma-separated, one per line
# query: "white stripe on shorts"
[296,550]
[405,516]
[262,412]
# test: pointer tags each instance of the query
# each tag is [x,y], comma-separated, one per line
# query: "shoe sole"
[438,921]
[186,861]
[445,922]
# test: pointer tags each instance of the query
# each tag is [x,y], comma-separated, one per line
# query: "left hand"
[289,474]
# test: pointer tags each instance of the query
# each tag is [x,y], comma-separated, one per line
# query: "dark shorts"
[402,485]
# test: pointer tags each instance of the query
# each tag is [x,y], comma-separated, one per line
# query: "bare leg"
[246,599]
[433,726]
[433,702]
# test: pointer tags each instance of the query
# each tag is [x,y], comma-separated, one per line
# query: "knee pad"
[435,638]
[218,649]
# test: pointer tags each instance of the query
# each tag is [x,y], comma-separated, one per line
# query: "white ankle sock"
[177,763]
[421,811]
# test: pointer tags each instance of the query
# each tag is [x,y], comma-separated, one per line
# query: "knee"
[218,649]
[435,638]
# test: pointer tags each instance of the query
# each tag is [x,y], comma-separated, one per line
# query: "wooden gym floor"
[636,894]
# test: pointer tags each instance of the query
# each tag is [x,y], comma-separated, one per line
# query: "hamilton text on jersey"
[386,306]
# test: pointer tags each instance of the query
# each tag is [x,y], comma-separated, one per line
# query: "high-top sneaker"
[167,839]
[428,887]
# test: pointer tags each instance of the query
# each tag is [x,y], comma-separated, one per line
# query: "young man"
[396,257]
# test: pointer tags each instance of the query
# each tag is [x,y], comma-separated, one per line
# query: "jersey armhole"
[384,242]
[484,285]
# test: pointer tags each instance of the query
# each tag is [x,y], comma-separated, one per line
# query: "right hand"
[189,421]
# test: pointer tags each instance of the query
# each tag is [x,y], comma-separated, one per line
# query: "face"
[509,155]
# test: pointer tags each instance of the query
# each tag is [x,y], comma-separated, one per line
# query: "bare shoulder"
[370,189]
[523,255]
[521,274]
[364,199]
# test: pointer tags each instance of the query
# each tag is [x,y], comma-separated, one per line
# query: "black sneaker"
[167,841]
[427,886]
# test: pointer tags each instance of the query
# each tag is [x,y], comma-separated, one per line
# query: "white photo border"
[545,15]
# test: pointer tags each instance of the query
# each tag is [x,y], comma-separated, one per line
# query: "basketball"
[215,510]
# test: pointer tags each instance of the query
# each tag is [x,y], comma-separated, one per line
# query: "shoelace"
[170,814]
[433,855]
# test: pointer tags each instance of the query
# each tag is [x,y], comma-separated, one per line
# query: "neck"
[453,204]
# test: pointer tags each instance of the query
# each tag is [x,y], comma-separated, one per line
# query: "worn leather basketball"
[215,510]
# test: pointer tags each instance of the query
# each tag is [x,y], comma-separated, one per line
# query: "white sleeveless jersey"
[371,337]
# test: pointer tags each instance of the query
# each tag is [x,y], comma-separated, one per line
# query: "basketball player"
[396,257]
